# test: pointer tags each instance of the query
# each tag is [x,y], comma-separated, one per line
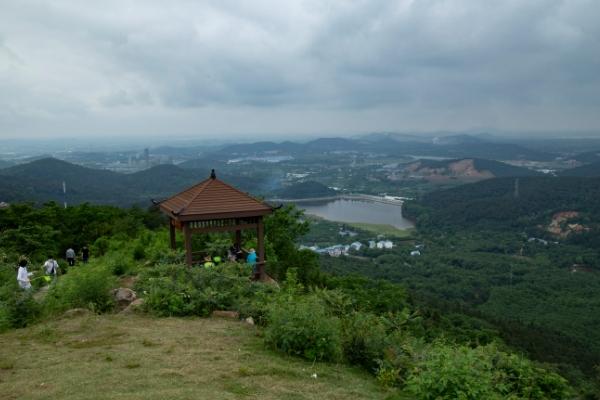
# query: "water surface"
[344,210]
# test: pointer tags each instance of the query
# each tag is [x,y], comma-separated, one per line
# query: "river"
[347,210]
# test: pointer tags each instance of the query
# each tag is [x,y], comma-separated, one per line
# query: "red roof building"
[212,206]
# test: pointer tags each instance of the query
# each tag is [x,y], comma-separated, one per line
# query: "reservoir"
[346,210]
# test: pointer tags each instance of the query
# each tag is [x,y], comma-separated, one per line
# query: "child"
[23,275]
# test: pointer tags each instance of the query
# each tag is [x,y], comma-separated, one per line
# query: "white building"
[356,246]
[385,244]
[415,253]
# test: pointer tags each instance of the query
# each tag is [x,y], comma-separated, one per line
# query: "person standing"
[51,267]
[23,275]
[251,260]
[70,256]
[85,254]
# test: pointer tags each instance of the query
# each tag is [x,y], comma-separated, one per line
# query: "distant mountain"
[589,170]
[305,190]
[456,140]
[389,144]
[5,164]
[467,169]
[260,148]
[333,144]
[41,181]
[44,178]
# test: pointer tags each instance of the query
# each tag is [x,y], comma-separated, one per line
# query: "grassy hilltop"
[363,338]
[140,357]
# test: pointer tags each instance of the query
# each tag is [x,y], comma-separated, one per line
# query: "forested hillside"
[588,170]
[508,203]
[412,350]
[467,169]
[524,254]
[305,190]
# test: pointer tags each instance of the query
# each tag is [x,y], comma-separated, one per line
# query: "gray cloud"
[69,67]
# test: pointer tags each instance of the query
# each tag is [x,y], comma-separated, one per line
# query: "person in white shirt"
[51,266]
[23,275]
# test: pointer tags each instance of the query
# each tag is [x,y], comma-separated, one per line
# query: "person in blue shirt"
[251,260]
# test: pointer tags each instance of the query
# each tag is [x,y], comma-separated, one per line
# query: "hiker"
[208,262]
[231,254]
[85,254]
[251,260]
[51,267]
[23,275]
[70,256]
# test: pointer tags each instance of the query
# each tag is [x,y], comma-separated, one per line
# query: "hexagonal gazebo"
[214,206]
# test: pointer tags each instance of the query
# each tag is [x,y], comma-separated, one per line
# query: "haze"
[283,69]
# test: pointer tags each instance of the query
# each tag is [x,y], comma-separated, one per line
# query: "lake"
[344,210]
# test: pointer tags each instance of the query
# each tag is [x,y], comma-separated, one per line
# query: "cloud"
[69,66]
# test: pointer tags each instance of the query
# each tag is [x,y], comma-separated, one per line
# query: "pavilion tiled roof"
[213,198]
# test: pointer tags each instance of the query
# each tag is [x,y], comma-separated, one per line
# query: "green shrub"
[171,290]
[101,246]
[303,327]
[461,372]
[88,287]
[17,307]
[139,253]
[5,320]
[120,265]
[364,340]
[449,372]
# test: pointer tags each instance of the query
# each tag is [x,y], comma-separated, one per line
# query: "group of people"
[51,267]
[235,254]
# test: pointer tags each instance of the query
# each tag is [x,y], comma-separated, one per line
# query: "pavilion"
[214,206]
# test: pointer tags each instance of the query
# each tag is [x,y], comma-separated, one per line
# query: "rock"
[269,281]
[124,296]
[249,321]
[134,306]
[76,312]
[226,314]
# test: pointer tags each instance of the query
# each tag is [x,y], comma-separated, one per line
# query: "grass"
[138,357]
[384,229]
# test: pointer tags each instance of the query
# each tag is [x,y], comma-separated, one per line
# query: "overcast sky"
[283,67]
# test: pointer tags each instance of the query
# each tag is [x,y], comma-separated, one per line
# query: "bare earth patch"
[138,357]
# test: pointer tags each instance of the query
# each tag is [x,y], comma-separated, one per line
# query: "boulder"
[134,306]
[124,296]
[226,314]
[249,321]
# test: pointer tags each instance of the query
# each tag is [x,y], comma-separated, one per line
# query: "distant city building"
[372,244]
[415,253]
[4,205]
[356,246]
[385,244]
[345,232]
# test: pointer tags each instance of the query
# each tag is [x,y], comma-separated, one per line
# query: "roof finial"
[213,175]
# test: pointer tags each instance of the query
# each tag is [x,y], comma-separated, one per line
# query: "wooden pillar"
[187,234]
[260,230]
[238,239]
[172,233]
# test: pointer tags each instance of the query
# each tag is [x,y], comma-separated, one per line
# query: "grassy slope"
[383,229]
[137,357]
